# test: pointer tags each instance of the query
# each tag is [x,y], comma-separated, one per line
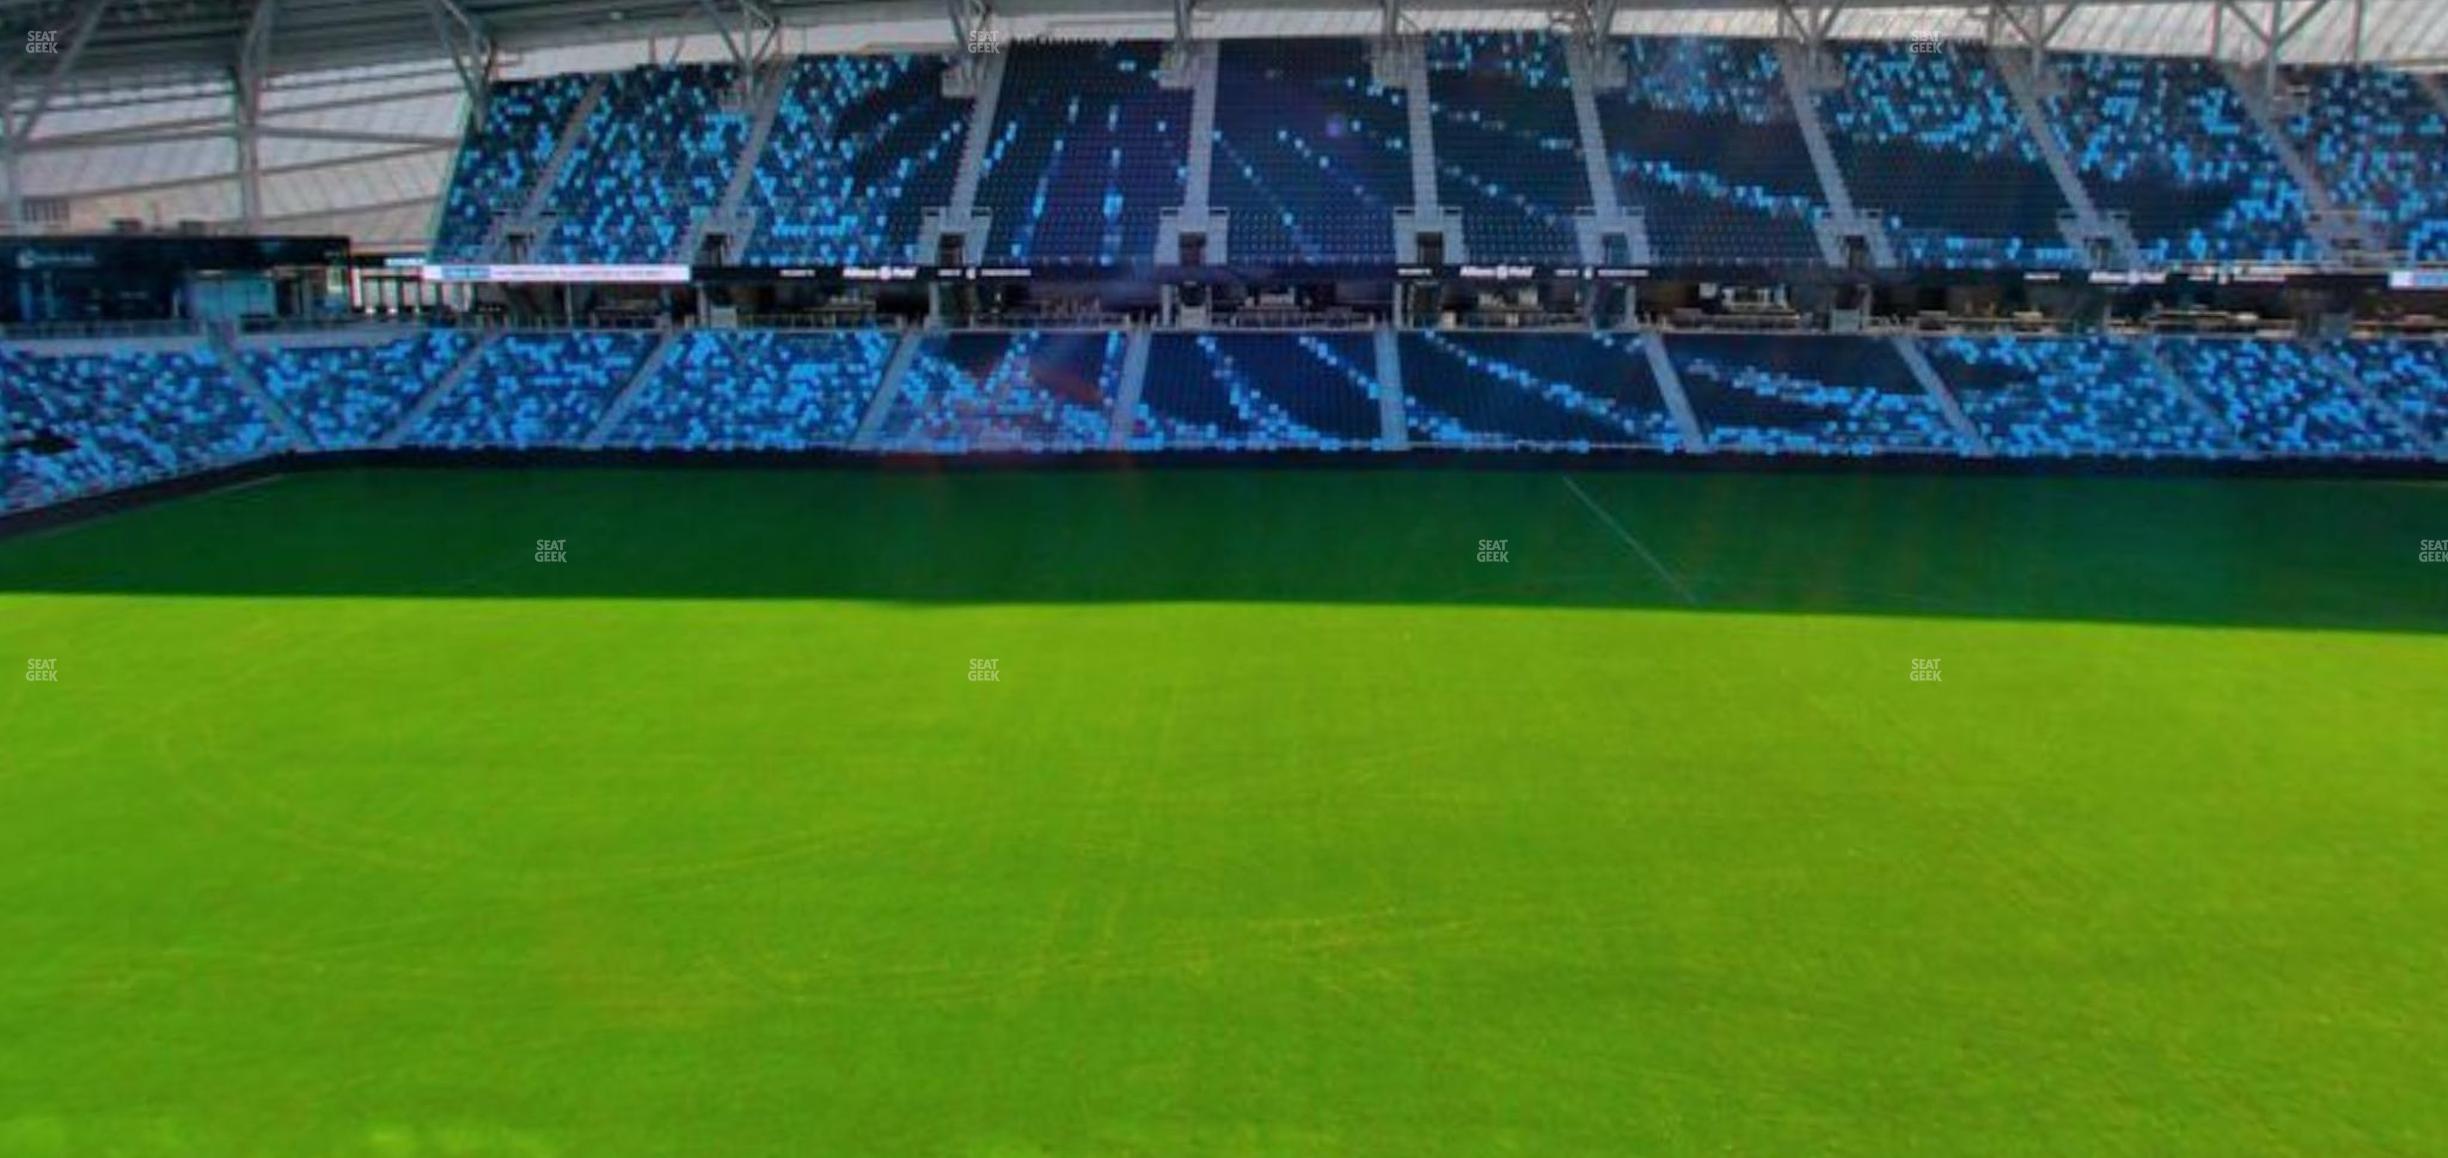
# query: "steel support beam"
[16,133]
[469,49]
[2271,37]
[1809,23]
[974,33]
[247,82]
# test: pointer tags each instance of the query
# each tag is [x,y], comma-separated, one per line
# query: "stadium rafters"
[251,107]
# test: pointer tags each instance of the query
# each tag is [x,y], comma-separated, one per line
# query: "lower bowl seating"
[1259,392]
[1821,395]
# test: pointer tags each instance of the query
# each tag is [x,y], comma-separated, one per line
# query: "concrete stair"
[2088,226]
[1844,217]
[442,387]
[2344,375]
[1590,75]
[2166,371]
[1124,420]
[1933,385]
[2336,230]
[1393,423]
[726,216]
[225,351]
[1670,387]
[888,391]
[627,398]
[983,86]
[531,217]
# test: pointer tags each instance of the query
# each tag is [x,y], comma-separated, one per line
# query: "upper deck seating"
[757,390]
[1703,139]
[861,147]
[656,156]
[2169,144]
[1508,145]
[1088,152]
[1311,157]
[1933,141]
[2066,397]
[1226,391]
[500,160]
[349,397]
[2381,147]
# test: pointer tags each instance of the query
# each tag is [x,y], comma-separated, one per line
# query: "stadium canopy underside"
[341,116]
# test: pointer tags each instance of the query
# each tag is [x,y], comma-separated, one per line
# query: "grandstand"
[786,576]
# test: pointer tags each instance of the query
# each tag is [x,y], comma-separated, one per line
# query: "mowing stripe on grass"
[1663,572]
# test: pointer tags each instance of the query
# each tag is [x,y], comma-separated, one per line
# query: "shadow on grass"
[2274,553]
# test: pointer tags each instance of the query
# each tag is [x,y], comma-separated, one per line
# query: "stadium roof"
[341,116]
[189,39]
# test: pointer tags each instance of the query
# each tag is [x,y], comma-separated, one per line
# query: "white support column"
[1199,61]
[1194,66]
[1918,362]
[1427,213]
[1421,105]
[1670,387]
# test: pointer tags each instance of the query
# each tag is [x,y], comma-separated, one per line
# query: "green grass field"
[1289,828]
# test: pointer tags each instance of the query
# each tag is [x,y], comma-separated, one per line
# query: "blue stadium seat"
[860,148]
[1791,394]
[1029,391]
[1229,391]
[2410,376]
[1310,156]
[757,390]
[1088,151]
[1933,140]
[2381,146]
[500,159]
[2278,399]
[534,390]
[2069,397]
[85,424]
[348,397]
[1508,144]
[2168,143]
[1703,138]
[657,155]
[1556,391]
